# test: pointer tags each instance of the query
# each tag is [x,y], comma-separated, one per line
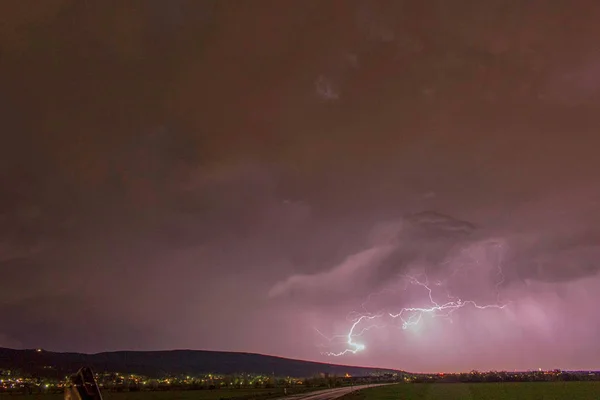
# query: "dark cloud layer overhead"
[244,175]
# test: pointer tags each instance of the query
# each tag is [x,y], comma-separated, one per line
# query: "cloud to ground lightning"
[410,316]
[474,294]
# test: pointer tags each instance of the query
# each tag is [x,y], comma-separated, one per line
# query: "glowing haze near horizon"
[256,176]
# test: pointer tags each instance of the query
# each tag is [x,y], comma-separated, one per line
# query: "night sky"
[241,175]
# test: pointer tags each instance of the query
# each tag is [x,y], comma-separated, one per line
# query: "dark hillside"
[160,363]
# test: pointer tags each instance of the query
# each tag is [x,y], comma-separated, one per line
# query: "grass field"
[482,391]
[409,391]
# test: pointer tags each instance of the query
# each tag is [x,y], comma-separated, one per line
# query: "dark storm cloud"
[430,242]
[181,157]
[392,249]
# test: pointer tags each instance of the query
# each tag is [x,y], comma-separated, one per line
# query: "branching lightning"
[412,316]
[415,314]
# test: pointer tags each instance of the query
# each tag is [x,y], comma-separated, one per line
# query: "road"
[328,394]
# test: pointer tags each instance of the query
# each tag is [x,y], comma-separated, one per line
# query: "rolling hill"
[174,362]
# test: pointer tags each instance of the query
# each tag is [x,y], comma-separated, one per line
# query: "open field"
[483,391]
[405,391]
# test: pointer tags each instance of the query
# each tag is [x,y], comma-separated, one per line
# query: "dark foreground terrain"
[482,391]
[407,391]
[161,363]
[222,394]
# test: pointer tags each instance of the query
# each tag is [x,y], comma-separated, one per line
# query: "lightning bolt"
[412,316]
[354,347]
[415,314]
